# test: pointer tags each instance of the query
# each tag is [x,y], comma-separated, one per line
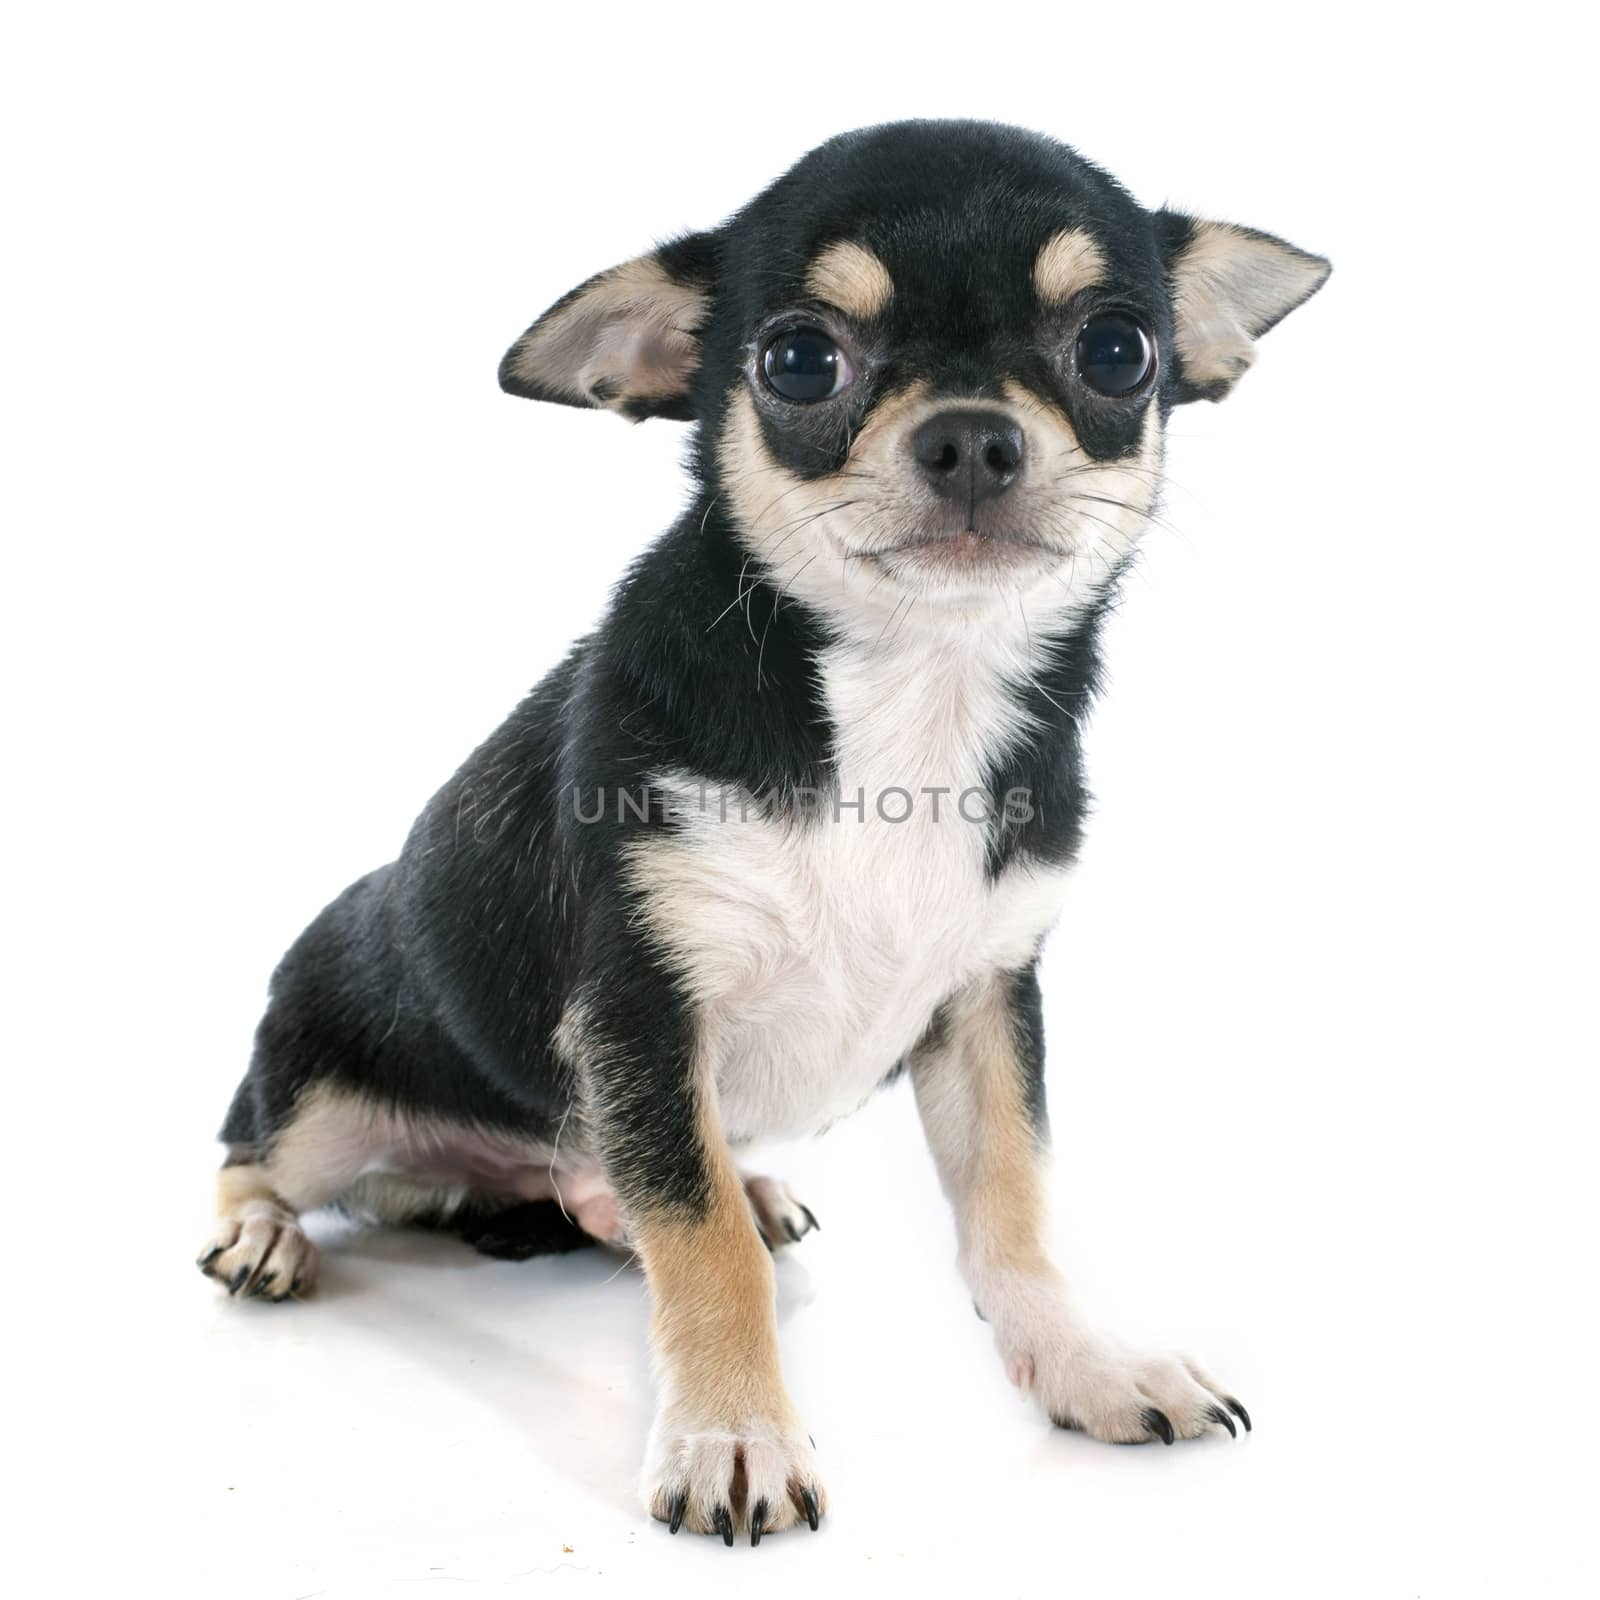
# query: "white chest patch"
[818,950]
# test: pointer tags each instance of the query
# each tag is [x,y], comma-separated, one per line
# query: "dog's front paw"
[1127,1397]
[758,1478]
[1087,1381]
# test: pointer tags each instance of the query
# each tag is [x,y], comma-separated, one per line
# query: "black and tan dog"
[798,815]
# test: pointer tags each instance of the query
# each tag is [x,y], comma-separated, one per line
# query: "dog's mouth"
[969,550]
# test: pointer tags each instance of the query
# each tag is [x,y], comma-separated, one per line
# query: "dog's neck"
[740,683]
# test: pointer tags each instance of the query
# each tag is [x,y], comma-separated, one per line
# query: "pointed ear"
[628,339]
[1229,285]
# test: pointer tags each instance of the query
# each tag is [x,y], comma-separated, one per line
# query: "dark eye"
[804,364]
[1115,355]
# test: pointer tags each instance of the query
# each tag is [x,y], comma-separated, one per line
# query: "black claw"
[808,1498]
[259,1291]
[1157,1423]
[723,1519]
[811,1217]
[790,1229]
[238,1279]
[679,1501]
[758,1523]
[979,1309]
[1240,1412]
[1217,1414]
[211,1255]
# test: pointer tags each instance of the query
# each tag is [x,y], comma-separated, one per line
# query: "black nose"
[969,455]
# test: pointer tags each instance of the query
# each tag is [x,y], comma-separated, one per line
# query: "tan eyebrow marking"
[849,276]
[1068,262]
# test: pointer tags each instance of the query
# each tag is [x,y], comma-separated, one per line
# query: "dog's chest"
[818,950]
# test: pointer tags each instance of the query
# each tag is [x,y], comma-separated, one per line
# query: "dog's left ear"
[1229,285]
[628,339]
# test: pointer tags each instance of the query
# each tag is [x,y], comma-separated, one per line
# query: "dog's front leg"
[980,1089]
[728,1452]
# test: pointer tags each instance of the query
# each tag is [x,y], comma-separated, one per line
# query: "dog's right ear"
[628,339]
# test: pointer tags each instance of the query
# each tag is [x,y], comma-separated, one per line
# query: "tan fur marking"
[1068,263]
[630,335]
[1048,428]
[726,1439]
[239,1189]
[1227,286]
[851,277]
[968,1084]
[1109,501]
[713,1292]
[326,1146]
[1212,344]
[343,1145]
[769,500]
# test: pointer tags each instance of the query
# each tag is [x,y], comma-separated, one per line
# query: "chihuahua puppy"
[796,817]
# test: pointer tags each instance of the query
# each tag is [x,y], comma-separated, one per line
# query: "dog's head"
[934,358]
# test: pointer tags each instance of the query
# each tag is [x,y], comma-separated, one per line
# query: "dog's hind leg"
[781,1218]
[257,1247]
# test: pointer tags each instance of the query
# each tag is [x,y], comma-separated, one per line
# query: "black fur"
[515,1232]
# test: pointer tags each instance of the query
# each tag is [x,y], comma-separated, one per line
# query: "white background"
[279,552]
